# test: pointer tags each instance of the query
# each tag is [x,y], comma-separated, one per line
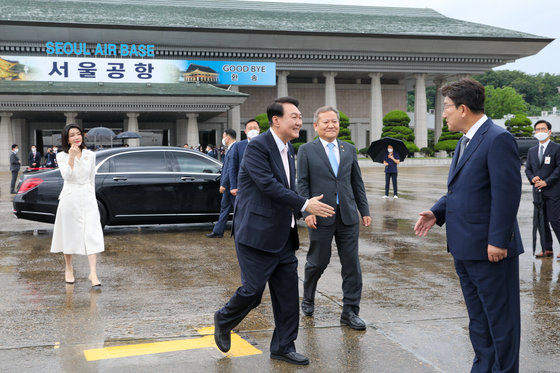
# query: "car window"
[193,163]
[139,162]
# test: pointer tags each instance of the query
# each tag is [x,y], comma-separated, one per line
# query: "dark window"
[139,162]
[193,163]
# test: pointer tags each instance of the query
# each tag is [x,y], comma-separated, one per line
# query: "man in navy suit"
[34,160]
[266,235]
[330,167]
[252,129]
[226,205]
[543,171]
[480,209]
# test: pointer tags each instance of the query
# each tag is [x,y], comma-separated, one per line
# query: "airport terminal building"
[181,71]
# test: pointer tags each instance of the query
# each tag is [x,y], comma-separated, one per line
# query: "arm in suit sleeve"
[257,163]
[233,166]
[529,167]
[358,187]
[439,210]
[303,185]
[555,175]
[505,189]
[225,171]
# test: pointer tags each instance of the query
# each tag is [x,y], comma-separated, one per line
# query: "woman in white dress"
[77,227]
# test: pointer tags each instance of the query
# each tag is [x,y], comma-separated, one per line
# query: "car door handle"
[120,179]
[187,178]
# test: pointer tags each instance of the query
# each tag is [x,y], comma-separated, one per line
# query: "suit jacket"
[316,177]
[483,193]
[226,182]
[266,202]
[547,172]
[14,162]
[236,157]
[34,159]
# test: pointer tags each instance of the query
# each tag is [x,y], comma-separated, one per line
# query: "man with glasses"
[543,171]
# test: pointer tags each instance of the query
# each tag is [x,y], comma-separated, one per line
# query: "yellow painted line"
[239,347]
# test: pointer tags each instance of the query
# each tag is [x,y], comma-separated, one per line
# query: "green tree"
[519,126]
[396,126]
[502,101]
[447,140]
[263,122]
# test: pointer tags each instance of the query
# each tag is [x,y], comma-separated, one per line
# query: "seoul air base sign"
[129,63]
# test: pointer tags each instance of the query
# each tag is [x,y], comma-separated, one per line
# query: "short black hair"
[231,133]
[548,125]
[65,132]
[14,146]
[466,92]
[251,120]
[276,108]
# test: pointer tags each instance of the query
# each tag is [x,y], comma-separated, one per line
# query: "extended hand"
[311,221]
[425,222]
[495,254]
[314,207]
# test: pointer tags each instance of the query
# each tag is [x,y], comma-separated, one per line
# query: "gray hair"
[324,109]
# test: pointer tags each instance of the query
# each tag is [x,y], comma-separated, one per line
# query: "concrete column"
[438,110]
[234,114]
[376,113]
[282,88]
[71,118]
[192,129]
[182,125]
[420,112]
[132,126]
[6,140]
[330,89]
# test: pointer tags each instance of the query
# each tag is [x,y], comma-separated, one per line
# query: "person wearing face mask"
[15,165]
[543,171]
[391,160]
[34,157]
[228,141]
[252,130]
[211,151]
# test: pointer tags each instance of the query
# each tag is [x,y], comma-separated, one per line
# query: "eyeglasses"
[541,129]
[445,106]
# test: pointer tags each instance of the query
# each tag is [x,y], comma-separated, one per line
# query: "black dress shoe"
[222,339]
[292,358]
[307,307]
[96,287]
[214,235]
[352,320]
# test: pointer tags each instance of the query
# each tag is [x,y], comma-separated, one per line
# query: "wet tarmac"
[161,285]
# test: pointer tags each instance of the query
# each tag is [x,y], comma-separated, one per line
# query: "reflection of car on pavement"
[144,185]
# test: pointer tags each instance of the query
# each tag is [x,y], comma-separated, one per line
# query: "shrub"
[519,126]
[428,151]
[396,118]
[363,151]
[411,147]
[263,122]
[296,146]
[447,145]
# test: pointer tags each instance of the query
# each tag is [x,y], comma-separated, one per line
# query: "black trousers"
[389,176]
[319,256]
[552,215]
[13,182]
[279,270]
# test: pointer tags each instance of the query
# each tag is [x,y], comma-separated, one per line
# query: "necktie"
[464,142]
[541,153]
[284,154]
[334,163]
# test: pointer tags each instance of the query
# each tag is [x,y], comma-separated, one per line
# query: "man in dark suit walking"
[34,160]
[226,205]
[252,129]
[266,235]
[329,167]
[479,210]
[15,165]
[543,171]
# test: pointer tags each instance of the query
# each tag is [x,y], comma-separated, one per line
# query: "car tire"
[523,159]
[102,214]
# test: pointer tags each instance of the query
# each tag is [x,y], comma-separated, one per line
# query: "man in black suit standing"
[543,171]
[330,167]
[34,160]
[266,235]
[15,165]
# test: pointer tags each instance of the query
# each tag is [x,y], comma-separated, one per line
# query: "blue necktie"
[334,163]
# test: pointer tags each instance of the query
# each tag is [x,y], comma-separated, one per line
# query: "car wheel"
[523,159]
[102,214]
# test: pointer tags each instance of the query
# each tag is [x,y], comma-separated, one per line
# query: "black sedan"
[143,185]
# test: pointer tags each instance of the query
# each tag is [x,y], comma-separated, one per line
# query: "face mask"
[252,134]
[224,142]
[16,150]
[33,150]
[55,150]
[390,150]
[541,136]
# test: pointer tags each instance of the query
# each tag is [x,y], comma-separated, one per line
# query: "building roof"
[251,16]
[119,89]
